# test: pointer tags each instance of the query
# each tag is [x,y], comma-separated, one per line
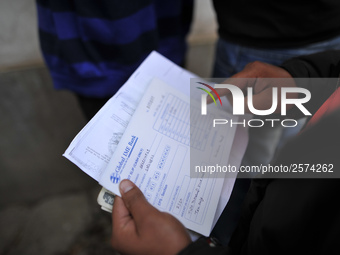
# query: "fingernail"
[125,186]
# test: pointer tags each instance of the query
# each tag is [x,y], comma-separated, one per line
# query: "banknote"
[106,209]
[105,200]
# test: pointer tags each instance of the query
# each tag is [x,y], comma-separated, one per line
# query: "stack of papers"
[143,134]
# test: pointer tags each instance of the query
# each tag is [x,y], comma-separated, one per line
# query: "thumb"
[135,201]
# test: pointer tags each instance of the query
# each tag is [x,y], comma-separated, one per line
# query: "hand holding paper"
[156,155]
[167,182]
[139,228]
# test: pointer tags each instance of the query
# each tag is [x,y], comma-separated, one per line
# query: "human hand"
[262,77]
[139,228]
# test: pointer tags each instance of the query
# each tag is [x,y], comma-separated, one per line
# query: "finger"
[124,230]
[135,201]
[120,214]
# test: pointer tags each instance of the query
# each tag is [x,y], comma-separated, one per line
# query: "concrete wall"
[204,27]
[18,33]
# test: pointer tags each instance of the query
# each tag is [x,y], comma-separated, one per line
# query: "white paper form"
[92,148]
[154,153]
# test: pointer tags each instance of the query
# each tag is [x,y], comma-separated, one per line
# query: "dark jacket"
[279,23]
[295,216]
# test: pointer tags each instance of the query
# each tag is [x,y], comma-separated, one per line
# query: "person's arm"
[320,65]
[324,64]
[263,77]
[202,247]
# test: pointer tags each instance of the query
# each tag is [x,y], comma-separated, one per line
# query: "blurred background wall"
[47,205]
[18,33]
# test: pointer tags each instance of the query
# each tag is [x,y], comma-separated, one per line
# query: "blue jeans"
[231,58]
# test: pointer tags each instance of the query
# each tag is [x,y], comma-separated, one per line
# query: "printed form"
[93,147]
[95,144]
[154,152]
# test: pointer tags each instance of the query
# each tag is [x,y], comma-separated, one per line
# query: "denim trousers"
[231,58]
